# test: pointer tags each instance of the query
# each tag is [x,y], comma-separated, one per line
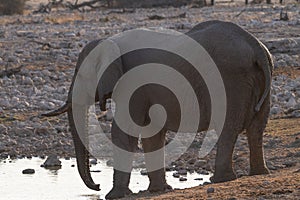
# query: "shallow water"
[66,183]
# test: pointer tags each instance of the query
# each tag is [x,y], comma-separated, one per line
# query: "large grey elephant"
[245,65]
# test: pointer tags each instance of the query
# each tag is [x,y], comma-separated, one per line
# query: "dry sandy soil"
[282,136]
[282,183]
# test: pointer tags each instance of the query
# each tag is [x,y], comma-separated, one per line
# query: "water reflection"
[65,183]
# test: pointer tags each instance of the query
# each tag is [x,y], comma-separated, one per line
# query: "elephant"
[245,65]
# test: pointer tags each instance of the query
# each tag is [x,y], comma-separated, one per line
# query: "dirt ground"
[282,183]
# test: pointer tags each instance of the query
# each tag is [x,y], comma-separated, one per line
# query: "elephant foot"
[159,187]
[223,178]
[118,192]
[263,170]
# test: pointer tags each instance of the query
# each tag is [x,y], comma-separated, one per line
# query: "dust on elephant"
[245,65]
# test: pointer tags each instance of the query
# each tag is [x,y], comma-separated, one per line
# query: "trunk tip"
[95,187]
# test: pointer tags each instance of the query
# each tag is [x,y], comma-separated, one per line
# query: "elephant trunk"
[82,155]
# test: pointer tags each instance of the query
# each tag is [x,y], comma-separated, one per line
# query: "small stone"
[28,171]
[52,162]
[70,34]
[210,190]
[96,171]
[275,110]
[295,114]
[182,179]
[93,161]
[198,179]
[169,168]
[239,173]
[182,172]
[3,129]
[110,163]
[192,161]
[23,132]
[72,165]
[176,175]
[13,59]
[266,183]
[291,102]
[27,81]
[46,72]
[289,163]
[204,172]
[144,172]
[199,163]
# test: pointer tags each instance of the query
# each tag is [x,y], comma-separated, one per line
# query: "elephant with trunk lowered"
[245,66]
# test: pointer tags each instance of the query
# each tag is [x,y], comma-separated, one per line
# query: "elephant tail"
[58,111]
[265,62]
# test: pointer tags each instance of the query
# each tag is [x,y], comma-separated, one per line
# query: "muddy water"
[65,183]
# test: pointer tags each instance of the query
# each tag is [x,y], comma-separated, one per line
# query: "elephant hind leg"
[157,176]
[255,140]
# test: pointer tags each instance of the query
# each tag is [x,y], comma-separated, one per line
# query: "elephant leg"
[157,178]
[124,146]
[255,140]
[223,164]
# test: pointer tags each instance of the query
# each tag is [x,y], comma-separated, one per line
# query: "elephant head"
[103,92]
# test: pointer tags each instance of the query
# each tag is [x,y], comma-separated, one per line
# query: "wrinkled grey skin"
[245,66]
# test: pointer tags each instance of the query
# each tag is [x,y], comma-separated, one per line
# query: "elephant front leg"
[124,146]
[155,162]
[223,164]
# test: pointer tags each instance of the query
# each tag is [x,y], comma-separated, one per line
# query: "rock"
[5,103]
[199,163]
[291,102]
[96,171]
[52,162]
[144,172]
[204,172]
[206,183]
[110,163]
[93,161]
[198,179]
[295,114]
[3,129]
[169,168]
[210,190]
[13,59]
[179,163]
[191,161]
[22,132]
[182,179]
[275,110]
[289,163]
[28,171]
[239,173]
[70,34]
[2,147]
[182,172]
[46,72]
[176,175]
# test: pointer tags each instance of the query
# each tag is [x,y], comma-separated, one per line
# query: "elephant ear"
[112,60]
[98,73]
